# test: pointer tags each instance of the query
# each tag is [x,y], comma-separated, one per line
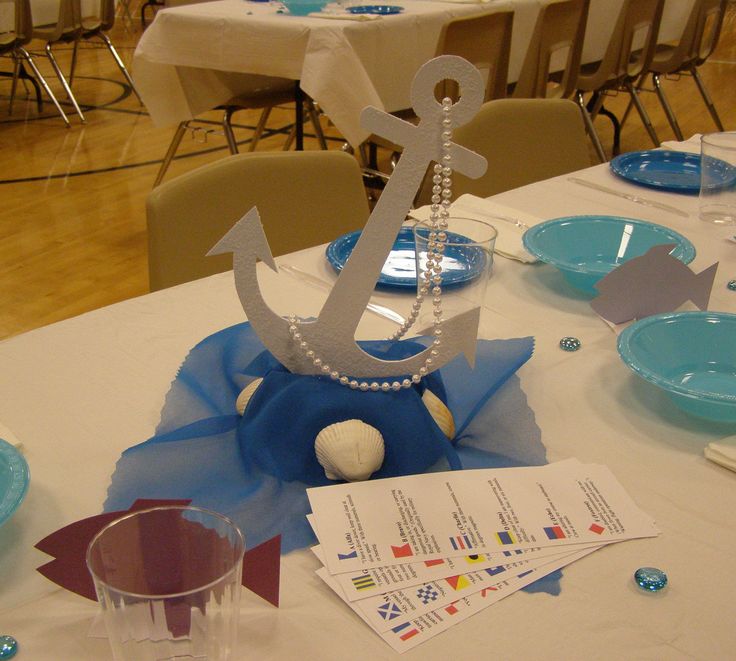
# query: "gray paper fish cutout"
[653,283]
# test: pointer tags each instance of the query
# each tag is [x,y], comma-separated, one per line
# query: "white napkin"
[722,452]
[345,16]
[8,436]
[509,223]
[690,145]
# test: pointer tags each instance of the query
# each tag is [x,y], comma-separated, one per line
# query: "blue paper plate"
[459,265]
[382,10]
[673,171]
[586,248]
[14,479]
[690,355]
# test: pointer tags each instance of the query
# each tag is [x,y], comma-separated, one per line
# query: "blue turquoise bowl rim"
[376,9]
[627,352]
[19,480]
[685,250]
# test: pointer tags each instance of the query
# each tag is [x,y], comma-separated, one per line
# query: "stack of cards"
[414,555]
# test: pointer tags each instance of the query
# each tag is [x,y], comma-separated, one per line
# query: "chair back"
[552,60]
[304,199]
[485,41]
[68,25]
[523,140]
[708,29]
[22,26]
[631,47]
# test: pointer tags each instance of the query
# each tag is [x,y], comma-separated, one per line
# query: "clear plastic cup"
[168,582]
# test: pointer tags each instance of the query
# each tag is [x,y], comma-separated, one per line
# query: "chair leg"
[590,128]
[120,64]
[73,66]
[664,102]
[706,98]
[314,117]
[227,128]
[39,77]
[260,128]
[14,86]
[63,82]
[642,112]
[175,142]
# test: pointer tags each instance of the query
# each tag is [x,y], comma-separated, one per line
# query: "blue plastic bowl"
[585,248]
[14,480]
[691,355]
[303,7]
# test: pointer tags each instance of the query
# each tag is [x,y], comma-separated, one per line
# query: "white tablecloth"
[79,392]
[192,58]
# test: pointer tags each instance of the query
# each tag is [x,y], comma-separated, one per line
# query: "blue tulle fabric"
[256,468]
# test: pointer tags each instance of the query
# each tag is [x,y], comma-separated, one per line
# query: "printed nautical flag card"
[406,631]
[370,582]
[420,517]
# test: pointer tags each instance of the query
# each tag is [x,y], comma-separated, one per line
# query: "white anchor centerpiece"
[331,336]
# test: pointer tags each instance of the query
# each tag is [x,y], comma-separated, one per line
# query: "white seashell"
[351,450]
[244,397]
[440,413]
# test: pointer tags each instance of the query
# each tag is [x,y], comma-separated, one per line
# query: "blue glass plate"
[14,479]
[691,355]
[459,265]
[673,171]
[382,10]
[585,248]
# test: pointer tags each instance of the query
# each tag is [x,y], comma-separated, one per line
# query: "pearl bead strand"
[431,278]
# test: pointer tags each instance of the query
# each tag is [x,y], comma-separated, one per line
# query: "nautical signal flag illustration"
[403,551]
[363,582]
[470,559]
[458,582]
[405,631]
[389,611]
[460,542]
[492,571]
[594,527]
[505,537]
[434,563]
[347,556]
[554,532]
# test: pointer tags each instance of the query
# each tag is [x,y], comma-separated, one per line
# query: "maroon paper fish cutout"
[261,565]
[652,283]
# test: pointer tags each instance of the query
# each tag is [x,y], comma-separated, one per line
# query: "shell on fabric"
[245,394]
[351,450]
[440,413]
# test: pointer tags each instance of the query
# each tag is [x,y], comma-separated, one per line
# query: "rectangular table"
[79,392]
[192,58]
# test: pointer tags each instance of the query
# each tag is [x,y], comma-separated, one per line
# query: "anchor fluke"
[246,233]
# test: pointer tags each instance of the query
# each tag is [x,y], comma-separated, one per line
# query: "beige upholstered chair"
[304,198]
[12,44]
[524,140]
[627,56]
[67,30]
[696,44]
[552,62]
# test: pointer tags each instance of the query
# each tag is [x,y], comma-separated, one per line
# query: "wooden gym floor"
[72,224]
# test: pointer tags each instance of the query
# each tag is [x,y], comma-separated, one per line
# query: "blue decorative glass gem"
[569,343]
[650,578]
[731,285]
[8,647]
